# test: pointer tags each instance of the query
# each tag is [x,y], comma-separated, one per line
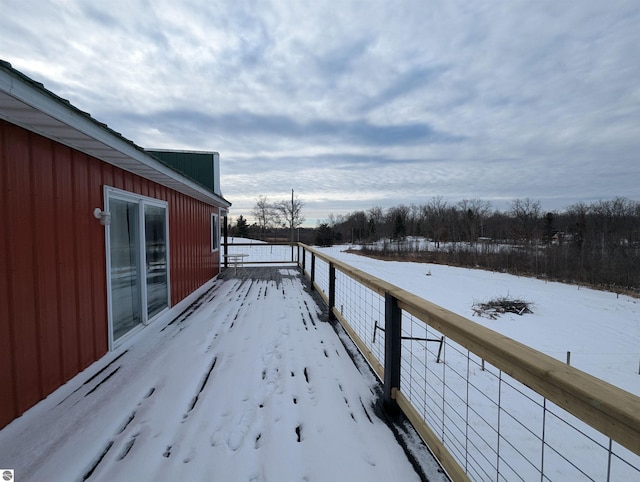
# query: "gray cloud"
[362,132]
[413,100]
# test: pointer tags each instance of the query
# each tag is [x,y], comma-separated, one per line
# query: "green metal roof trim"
[198,166]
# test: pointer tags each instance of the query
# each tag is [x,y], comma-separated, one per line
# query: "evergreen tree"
[399,228]
[324,235]
[549,228]
[242,227]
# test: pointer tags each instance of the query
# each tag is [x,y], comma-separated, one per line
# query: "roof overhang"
[28,104]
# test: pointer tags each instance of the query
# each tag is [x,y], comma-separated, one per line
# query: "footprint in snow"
[240,429]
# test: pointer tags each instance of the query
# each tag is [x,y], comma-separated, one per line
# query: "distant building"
[99,238]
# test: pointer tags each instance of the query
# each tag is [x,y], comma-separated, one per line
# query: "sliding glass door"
[137,260]
[155,234]
[126,310]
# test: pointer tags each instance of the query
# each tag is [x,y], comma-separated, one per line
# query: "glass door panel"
[155,233]
[125,266]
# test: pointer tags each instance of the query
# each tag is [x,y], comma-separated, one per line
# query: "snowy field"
[599,328]
[250,386]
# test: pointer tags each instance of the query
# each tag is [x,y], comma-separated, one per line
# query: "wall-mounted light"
[103,216]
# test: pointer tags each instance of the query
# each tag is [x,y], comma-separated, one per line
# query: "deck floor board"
[249,383]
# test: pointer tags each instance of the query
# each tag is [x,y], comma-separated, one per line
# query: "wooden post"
[332,291]
[568,358]
[392,352]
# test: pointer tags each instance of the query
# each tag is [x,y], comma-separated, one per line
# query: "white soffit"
[29,105]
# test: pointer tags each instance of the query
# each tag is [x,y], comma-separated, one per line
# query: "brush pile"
[496,307]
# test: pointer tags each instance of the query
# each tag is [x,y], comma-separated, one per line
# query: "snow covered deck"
[249,383]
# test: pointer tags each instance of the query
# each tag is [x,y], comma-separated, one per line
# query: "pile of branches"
[496,307]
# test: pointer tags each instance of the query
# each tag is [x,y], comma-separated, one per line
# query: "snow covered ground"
[251,385]
[599,328]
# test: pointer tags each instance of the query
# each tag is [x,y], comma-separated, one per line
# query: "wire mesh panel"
[364,310]
[321,275]
[496,427]
[262,253]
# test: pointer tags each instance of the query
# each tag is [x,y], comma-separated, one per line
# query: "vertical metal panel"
[118,178]
[83,221]
[127,182]
[66,261]
[45,295]
[193,247]
[136,185]
[97,254]
[145,188]
[176,246]
[106,171]
[8,400]
[180,260]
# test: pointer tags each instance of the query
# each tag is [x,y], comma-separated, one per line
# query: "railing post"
[392,352]
[304,258]
[332,290]
[313,270]
[226,241]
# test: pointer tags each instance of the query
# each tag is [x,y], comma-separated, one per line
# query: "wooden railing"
[609,410]
[260,253]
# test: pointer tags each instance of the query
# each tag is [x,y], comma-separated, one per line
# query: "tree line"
[596,244]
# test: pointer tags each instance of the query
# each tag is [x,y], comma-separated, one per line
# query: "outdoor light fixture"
[103,216]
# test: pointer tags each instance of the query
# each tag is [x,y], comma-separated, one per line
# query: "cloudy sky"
[356,104]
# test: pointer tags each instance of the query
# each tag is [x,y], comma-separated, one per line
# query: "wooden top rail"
[378,285]
[263,243]
[607,408]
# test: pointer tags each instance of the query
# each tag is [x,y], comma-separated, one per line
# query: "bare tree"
[526,214]
[335,219]
[436,212]
[265,215]
[472,216]
[289,213]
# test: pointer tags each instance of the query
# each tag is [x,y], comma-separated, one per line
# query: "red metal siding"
[65,256]
[96,253]
[53,298]
[8,406]
[45,260]
[17,219]
[84,221]
[192,263]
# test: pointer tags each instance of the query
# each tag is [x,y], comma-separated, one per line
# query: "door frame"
[142,201]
